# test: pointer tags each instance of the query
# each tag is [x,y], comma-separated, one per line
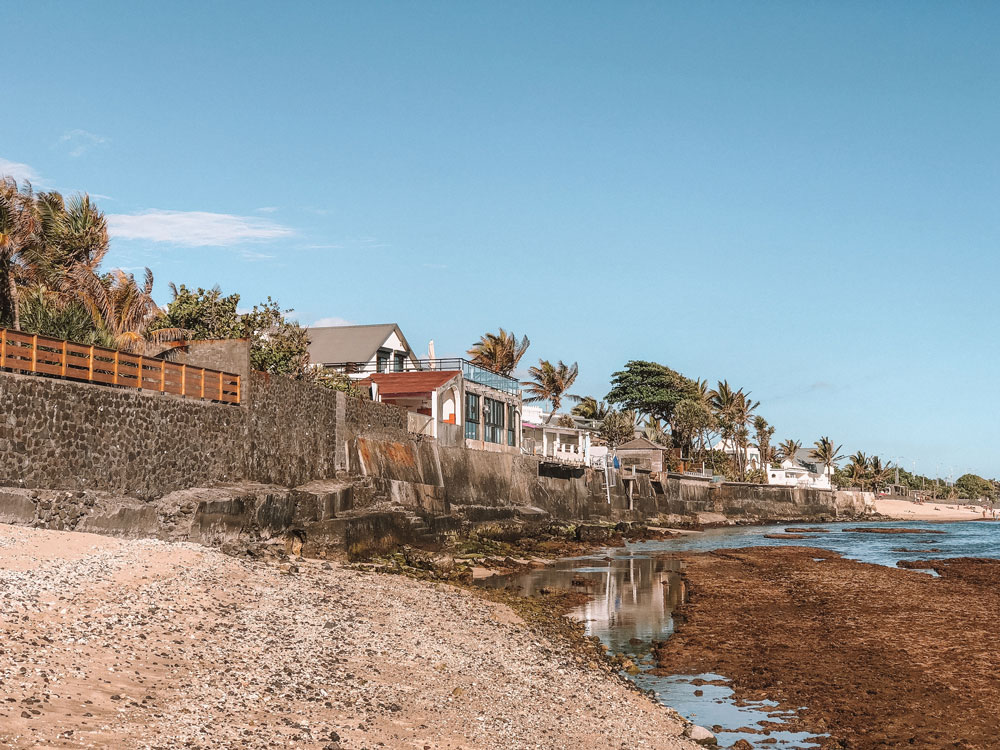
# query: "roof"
[334,344]
[640,444]
[411,383]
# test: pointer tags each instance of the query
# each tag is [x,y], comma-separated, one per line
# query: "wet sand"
[881,658]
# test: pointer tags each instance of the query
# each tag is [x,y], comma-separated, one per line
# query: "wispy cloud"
[78,142]
[266,209]
[194,228]
[327,322]
[251,255]
[18,171]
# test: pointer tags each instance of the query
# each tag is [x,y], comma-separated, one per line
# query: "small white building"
[802,471]
[566,444]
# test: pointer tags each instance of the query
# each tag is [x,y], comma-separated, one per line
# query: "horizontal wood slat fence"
[27,352]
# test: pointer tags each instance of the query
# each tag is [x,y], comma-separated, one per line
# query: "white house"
[802,471]
[567,444]
[451,399]
[359,351]
[751,459]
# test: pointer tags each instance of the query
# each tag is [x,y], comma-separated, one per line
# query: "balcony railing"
[470,371]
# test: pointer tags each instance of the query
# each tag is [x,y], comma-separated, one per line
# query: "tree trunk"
[12,293]
[555,408]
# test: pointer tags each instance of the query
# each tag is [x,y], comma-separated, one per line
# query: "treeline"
[53,283]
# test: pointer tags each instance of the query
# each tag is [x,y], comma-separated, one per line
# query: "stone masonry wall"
[57,434]
[364,416]
[293,431]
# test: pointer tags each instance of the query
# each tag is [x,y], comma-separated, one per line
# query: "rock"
[742,745]
[699,734]
[594,533]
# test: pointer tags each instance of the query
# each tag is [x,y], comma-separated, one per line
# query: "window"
[400,361]
[511,425]
[493,418]
[382,360]
[472,416]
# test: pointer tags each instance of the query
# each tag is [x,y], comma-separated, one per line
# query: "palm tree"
[733,410]
[618,427]
[550,383]
[879,473]
[789,449]
[764,432]
[18,222]
[653,431]
[590,408]
[859,467]
[826,454]
[499,352]
[121,308]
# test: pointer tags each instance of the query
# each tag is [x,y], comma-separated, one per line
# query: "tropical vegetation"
[551,382]
[52,283]
[500,352]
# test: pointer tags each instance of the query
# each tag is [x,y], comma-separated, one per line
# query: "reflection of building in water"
[632,594]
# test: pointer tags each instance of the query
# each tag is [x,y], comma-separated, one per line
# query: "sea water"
[633,592]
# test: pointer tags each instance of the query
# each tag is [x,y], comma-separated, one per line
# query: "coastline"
[904,510]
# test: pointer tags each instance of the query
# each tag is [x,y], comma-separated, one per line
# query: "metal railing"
[470,370]
[40,355]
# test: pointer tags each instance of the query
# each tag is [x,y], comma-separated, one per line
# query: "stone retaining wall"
[59,434]
[65,435]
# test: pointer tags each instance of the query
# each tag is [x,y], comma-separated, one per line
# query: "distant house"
[448,398]
[359,351]
[802,471]
[642,453]
[751,456]
[559,442]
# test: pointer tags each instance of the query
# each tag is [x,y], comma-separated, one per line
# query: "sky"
[798,197]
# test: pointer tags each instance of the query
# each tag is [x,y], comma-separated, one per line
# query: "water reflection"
[631,600]
[630,597]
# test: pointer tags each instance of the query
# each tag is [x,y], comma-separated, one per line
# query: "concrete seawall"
[300,461]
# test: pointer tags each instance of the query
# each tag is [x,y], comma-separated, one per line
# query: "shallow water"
[633,593]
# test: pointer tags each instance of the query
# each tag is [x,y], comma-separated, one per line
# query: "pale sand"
[904,510]
[136,645]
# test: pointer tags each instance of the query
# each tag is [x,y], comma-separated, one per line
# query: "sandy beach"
[904,510]
[145,644]
[878,658]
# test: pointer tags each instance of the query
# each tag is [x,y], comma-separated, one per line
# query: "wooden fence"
[26,352]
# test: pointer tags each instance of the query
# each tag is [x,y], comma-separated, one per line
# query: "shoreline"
[904,510]
[140,644]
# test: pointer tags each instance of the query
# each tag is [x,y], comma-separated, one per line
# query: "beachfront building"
[450,399]
[802,471]
[359,351]
[555,439]
[456,402]
[642,453]
[751,458]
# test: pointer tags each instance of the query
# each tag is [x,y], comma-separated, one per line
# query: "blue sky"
[799,197]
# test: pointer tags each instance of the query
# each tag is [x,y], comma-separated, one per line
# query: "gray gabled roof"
[334,344]
[640,444]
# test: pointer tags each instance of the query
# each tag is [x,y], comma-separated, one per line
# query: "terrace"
[470,371]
